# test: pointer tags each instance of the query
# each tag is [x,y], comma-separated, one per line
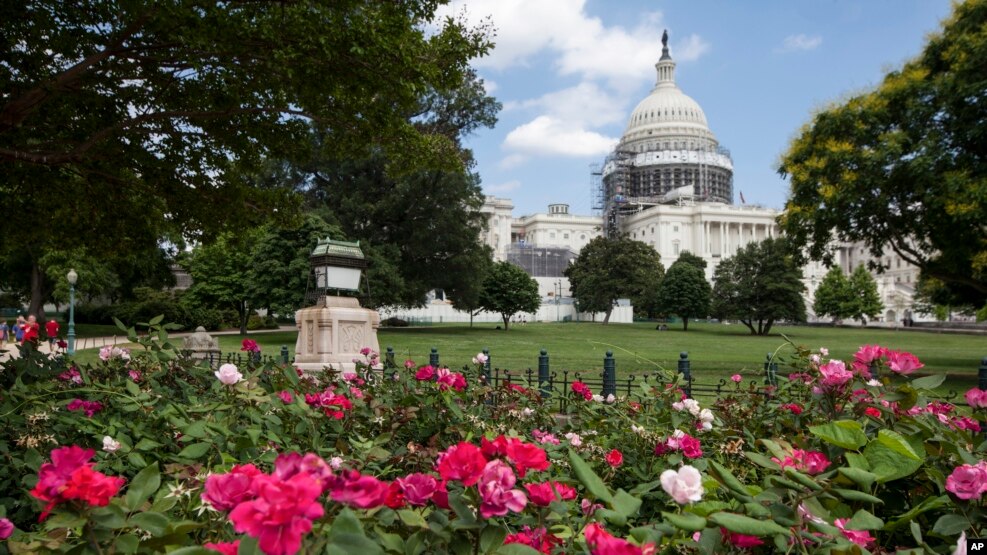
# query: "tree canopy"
[684,291]
[758,286]
[614,268]
[507,290]
[831,295]
[903,167]
[141,121]
[841,298]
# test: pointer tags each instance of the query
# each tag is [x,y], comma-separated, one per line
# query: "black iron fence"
[554,385]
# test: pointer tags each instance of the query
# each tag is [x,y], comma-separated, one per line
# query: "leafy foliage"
[507,290]
[614,268]
[841,298]
[684,292]
[759,285]
[902,167]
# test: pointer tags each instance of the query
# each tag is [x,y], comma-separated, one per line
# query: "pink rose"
[225,548]
[496,490]
[281,513]
[742,541]
[834,375]
[228,374]
[684,485]
[356,490]
[463,461]
[543,494]
[859,537]
[976,398]
[286,397]
[736,378]
[409,364]
[526,456]
[425,373]
[6,528]
[225,491]
[418,488]
[615,458]
[967,481]
[690,447]
[903,363]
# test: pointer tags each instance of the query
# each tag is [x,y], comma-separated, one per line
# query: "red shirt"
[31,331]
[51,327]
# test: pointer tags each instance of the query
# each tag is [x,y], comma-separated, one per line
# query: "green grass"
[715,350]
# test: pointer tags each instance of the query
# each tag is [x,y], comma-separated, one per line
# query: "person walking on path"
[32,332]
[19,329]
[51,329]
[4,332]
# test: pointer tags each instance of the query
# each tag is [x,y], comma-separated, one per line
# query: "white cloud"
[548,136]
[512,161]
[800,41]
[579,43]
[501,188]
[489,85]
[690,49]
[586,104]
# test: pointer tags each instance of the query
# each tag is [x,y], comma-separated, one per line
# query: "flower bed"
[146,453]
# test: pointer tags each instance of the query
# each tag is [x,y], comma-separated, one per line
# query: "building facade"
[669,183]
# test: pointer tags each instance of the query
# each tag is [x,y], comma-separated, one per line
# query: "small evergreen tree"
[684,292]
[864,302]
[831,296]
[508,289]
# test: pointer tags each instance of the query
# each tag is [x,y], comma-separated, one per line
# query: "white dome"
[667,119]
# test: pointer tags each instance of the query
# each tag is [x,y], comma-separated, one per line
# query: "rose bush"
[837,457]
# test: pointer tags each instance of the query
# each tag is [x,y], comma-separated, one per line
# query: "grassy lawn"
[715,350]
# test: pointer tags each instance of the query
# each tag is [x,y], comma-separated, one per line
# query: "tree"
[144,117]
[278,275]
[684,292]
[863,302]
[507,290]
[758,286]
[221,273]
[689,258]
[467,295]
[902,167]
[830,297]
[614,268]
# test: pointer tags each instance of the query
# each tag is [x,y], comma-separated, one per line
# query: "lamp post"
[558,299]
[337,265]
[72,277]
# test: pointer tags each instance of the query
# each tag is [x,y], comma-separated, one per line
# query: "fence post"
[389,358]
[609,375]
[770,371]
[686,371]
[486,366]
[433,358]
[543,377]
[284,354]
[982,374]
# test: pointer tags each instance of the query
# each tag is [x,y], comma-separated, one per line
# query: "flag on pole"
[742,201]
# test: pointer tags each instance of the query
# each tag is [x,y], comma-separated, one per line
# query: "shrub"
[835,458]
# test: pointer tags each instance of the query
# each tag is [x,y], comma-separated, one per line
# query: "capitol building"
[667,183]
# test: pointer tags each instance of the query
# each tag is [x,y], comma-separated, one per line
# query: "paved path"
[9,350]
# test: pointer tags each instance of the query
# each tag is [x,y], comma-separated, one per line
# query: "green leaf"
[516,549]
[725,477]
[742,524]
[156,320]
[491,537]
[891,457]
[916,532]
[346,523]
[155,523]
[127,543]
[412,518]
[346,544]
[685,521]
[863,520]
[589,478]
[929,382]
[142,486]
[856,460]
[927,504]
[848,434]
[195,450]
[463,511]
[854,495]
[194,550]
[132,388]
[862,478]
[110,516]
[248,546]
[803,479]
[761,460]
[146,444]
[196,429]
[951,525]
[120,324]
[625,504]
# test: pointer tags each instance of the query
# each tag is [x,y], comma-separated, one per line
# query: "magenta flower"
[418,488]
[225,491]
[225,548]
[903,363]
[357,490]
[968,481]
[281,513]
[976,398]
[496,490]
[463,461]
[6,528]
[736,378]
[859,537]
[834,375]
[250,346]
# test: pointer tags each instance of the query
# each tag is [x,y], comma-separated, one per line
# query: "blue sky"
[569,73]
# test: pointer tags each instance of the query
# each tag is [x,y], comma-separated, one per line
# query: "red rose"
[615,458]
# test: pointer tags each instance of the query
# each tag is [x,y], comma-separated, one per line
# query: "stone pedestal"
[201,346]
[332,333]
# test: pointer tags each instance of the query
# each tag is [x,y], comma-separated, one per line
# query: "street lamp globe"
[72,277]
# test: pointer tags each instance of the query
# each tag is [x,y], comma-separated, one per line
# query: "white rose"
[110,445]
[685,485]
[228,374]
